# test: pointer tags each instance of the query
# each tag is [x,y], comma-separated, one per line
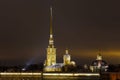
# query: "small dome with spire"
[66,58]
[98,64]
[99,61]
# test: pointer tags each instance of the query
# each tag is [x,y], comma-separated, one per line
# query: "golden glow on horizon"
[93,53]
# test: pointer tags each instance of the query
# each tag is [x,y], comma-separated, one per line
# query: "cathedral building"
[50,64]
[99,64]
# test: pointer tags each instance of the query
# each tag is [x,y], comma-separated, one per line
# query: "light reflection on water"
[39,78]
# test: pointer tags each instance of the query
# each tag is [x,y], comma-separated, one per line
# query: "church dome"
[73,62]
[99,61]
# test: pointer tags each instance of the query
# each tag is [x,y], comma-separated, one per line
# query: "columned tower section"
[67,58]
[51,50]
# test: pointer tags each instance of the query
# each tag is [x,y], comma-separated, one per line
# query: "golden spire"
[51,21]
[51,42]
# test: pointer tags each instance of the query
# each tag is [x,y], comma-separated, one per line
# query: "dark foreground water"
[48,78]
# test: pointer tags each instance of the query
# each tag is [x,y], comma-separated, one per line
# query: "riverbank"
[47,74]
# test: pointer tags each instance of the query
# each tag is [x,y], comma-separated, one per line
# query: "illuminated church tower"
[67,58]
[50,64]
[51,50]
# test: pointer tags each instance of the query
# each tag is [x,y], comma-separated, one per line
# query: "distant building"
[50,64]
[99,64]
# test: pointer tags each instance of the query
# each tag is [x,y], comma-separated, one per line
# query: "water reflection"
[20,78]
[39,78]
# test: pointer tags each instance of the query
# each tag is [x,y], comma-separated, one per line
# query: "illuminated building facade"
[50,64]
[67,58]
[99,64]
[51,50]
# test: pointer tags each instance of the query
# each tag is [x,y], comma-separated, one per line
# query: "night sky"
[82,26]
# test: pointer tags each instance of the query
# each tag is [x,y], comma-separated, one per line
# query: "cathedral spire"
[51,42]
[51,21]
[51,50]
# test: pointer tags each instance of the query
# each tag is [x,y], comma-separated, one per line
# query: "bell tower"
[51,50]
